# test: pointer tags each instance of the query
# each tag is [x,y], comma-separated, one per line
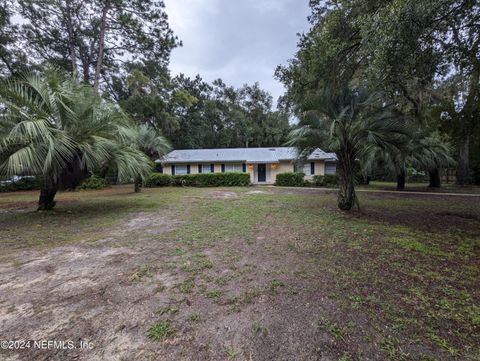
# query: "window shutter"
[244,167]
[188,168]
[199,168]
[212,168]
[312,168]
[223,168]
[173,169]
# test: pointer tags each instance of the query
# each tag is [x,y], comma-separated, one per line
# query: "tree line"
[122,48]
[86,89]
[389,85]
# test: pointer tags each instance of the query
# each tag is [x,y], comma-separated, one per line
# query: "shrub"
[93,182]
[24,184]
[331,180]
[183,180]
[318,181]
[199,180]
[158,180]
[290,179]
[212,180]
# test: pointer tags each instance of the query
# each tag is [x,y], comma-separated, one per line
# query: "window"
[235,167]
[181,169]
[330,168]
[206,168]
[309,168]
[306,169]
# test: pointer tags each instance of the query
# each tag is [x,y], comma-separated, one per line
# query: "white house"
[263,164]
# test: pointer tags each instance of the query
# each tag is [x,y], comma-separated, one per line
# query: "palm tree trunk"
[347,198]
[47,195]
[434,178]
[138,184]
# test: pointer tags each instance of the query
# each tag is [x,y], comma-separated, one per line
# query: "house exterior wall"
[217,167]
[282,167]
[319,169]
[271,174]
[167,169]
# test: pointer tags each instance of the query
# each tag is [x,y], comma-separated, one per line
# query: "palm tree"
[151,142]
[353,124]
[422,151]
[61,130]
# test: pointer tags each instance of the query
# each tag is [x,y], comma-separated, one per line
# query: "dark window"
[330,168]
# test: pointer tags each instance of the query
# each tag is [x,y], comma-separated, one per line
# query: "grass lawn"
[423,187]
[241,273]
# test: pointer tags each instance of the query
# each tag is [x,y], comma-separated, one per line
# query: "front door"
[262,172]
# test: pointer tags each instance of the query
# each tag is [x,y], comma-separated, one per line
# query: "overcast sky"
[240,41]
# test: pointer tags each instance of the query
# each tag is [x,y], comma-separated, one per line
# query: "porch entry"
[262,172]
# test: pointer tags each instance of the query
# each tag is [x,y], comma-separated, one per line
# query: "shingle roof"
[248,155]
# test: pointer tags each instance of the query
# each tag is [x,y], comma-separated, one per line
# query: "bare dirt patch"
[102,295]
[221,195]
[151,222]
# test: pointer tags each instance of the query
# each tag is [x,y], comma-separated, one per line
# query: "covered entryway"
[262,172]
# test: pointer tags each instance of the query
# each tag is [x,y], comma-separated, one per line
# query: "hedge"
[24,184]
[158,180]
[327,180]
[92,183]
[331,180]
[199,180]
[290,179]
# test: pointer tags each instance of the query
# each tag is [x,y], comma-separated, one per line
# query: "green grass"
[422,186]
[231,352]
[332,328]
[187,286]
[408,265]
[160,331]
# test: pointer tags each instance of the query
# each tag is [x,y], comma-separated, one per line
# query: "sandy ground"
[110,292]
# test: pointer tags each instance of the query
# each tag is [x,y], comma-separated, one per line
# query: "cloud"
[238,41]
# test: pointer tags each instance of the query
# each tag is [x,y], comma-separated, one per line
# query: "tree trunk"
[401,177]
[462,162]
[47,195]
[434,178]
[101,44]
[347,198]
[138,184]
[71,39]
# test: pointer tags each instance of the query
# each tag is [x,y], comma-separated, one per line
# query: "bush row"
[327,180]
[290,179]
[93,182]
[296,179]
[199,180]
[24,184]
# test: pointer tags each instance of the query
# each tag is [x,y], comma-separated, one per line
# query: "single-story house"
[263,164]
